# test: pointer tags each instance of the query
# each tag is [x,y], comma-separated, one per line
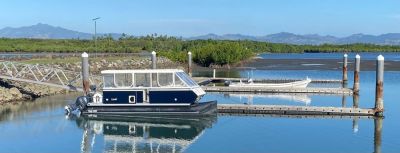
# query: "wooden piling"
[380,62]
[356,99]
[85,73]
[344,68]
[153,60]
[213,73]
[190,63]
[356,85]
[355,125]
[378,134]
[344,100]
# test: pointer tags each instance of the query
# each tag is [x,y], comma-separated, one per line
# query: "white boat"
[294,84]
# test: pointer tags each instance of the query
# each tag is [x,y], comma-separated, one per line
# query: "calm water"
[391,56]
[41,126]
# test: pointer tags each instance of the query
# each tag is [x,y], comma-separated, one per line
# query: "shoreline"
[13,91]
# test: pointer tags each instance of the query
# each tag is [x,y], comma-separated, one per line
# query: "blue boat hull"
[154,96]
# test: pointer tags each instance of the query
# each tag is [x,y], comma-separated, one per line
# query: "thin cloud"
[395,16]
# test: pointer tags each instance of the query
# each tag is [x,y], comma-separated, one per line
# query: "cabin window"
[142,79]
[165,79]
[185,78]
[123,79]
[179,82]
[108,80]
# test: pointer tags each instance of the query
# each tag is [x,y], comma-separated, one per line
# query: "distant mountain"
[384,39]
[312,39]
[223,37]
[45,31]
[290,38]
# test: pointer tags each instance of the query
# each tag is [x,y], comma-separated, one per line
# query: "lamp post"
[95,32]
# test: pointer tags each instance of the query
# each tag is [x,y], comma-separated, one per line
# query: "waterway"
[41,126]
[390,56]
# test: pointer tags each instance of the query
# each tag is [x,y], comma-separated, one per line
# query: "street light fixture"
[95,32]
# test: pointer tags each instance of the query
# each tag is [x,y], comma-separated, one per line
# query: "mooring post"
[344,101]
[355,125]
[344,69]
[356,85]
[356,99]
[378,134]
[153,60]
[85,73]
[214,73]
[380,62]
[190,63]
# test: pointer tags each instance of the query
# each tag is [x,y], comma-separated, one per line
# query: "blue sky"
[198,17]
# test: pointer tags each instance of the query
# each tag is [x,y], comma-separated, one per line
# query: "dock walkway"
[345,91]
[203,79]
[293,110]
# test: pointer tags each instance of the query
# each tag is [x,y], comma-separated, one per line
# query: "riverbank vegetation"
[205,52]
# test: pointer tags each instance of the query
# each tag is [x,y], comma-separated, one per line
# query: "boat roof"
[142,71]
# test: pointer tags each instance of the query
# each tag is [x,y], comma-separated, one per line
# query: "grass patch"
[76,59]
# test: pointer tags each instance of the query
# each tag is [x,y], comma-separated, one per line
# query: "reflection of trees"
[143,133]
[12,110]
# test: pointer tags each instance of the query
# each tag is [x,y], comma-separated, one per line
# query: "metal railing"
[44,75]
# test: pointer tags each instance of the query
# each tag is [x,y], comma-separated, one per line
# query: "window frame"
[116,84]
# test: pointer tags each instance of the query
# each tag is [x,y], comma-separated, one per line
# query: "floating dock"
[205,79]
[345,91]
[293,110]
[300,116]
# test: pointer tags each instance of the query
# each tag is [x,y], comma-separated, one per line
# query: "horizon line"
[159,34]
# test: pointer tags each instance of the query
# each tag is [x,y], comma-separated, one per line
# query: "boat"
[148,91]
[250,83]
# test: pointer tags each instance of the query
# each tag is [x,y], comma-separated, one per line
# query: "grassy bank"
[205,52]
[73,60]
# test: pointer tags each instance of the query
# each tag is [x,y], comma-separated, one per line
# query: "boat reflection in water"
[142,133]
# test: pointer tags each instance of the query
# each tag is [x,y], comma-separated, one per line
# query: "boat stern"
[199,92]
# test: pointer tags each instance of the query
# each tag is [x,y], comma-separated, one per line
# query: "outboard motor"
[70,108]
[227,82]
[93,88]
[80,104]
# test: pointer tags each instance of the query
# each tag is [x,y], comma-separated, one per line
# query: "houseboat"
[148,91]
